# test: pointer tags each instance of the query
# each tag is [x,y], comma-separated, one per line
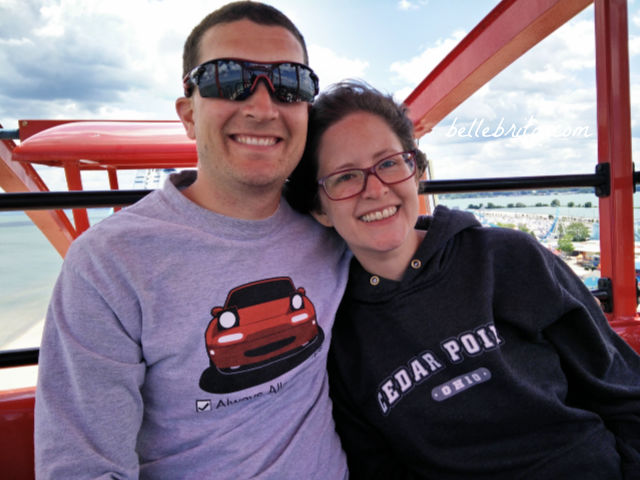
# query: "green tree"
[565,245]
[523,228]
[506,225]
[555,202]
[578,231]
[588,204]
[571,204]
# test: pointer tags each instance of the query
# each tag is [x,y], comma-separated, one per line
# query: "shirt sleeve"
[369,455]
[603,372]
[88,402]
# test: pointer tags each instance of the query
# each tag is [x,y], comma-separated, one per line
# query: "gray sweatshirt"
[180,343]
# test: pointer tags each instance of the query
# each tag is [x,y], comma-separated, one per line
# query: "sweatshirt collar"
[427,263]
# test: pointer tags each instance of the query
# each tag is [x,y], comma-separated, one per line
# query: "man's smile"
[254,140]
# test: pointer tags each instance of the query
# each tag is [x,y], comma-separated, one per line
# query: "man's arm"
[88,403]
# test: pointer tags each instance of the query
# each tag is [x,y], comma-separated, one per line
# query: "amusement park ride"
[504,35]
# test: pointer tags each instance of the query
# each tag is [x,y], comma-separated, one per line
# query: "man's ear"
[184,108]
[322,218]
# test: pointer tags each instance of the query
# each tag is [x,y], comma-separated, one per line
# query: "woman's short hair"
[334,104]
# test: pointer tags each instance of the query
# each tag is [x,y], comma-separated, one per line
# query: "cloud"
[412,5]
[412,71]
[74,59]
[538,115]
[332,67]
[67,53]
[634,45]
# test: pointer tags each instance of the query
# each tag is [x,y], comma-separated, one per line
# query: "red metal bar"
[28,128]
[614,147]
[74,182]
[509,30]
[17,177]
[113,178]
[16,433]
[113,182]
[99,144]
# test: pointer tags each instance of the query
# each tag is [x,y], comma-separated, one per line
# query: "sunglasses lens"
[223,79]
[234,80]
[293,83]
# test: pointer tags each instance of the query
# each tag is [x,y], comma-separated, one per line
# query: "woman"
[458,351]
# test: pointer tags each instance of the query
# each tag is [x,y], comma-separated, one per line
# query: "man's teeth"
[261,141]
[379,215]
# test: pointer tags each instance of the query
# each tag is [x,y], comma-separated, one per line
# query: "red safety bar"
[16,434]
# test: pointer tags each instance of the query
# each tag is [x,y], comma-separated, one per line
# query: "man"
[187,335]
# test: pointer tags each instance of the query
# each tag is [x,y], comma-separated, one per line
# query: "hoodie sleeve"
[603,372]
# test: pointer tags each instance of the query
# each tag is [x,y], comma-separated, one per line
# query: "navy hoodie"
[488,359]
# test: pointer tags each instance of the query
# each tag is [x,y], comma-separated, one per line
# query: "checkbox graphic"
[203,405]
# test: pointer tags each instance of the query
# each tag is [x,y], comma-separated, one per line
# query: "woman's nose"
[374,187]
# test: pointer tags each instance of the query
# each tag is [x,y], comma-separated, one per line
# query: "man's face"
[248,146]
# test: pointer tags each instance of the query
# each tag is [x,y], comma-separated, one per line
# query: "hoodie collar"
[428,262]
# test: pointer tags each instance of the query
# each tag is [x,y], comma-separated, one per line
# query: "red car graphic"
[260,322]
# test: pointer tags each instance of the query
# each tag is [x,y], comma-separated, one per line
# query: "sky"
[121,59]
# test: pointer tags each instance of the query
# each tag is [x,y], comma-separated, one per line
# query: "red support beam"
[74,182]
[510,29]
[113,182]
[19,177]
[614,148]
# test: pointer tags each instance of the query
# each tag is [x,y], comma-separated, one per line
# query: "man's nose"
[260,104]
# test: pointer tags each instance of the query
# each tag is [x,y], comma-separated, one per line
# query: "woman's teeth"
[379,215]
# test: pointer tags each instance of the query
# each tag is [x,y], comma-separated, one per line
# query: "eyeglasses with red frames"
[350,182]
[234,79]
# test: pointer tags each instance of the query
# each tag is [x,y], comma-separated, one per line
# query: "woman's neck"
[391,264]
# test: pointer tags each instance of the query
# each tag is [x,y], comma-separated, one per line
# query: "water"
[531,200]
[29,268]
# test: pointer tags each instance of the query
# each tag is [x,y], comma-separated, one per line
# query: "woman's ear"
[322,218]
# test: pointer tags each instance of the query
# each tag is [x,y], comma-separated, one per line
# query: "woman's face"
[380,220]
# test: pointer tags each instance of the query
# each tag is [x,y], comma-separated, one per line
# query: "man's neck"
[246,204]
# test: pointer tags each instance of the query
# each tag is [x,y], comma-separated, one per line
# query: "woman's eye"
[344,177]
[388,163]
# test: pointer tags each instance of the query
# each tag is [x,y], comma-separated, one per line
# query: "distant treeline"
[514,193]
[554,203]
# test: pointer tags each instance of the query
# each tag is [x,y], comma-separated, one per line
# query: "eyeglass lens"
[390,170]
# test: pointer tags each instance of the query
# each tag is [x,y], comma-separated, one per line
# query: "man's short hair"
[256,12]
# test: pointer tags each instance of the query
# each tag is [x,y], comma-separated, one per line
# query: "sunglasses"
[233,79]
[350,182]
